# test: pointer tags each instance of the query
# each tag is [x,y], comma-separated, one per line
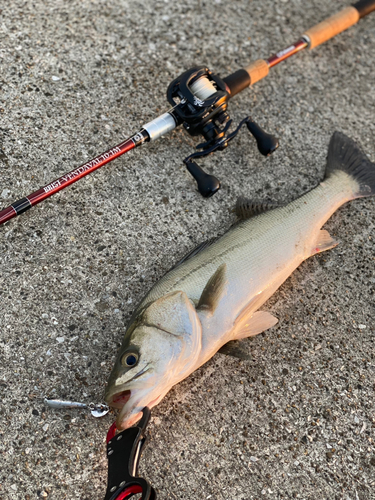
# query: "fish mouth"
[130,402]
[131,411]
[120,399]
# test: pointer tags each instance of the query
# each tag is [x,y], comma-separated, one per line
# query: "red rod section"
[80,172]
[50,189]
[289,51]
[7,214]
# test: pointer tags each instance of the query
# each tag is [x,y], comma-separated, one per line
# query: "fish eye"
[129,359]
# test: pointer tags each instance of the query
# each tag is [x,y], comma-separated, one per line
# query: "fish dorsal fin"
[324,241]
[199,248]
[214,290]
[173,313]
[246,208]
[252,324]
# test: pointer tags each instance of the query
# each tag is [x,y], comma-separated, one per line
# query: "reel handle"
[207,184]
[267,143]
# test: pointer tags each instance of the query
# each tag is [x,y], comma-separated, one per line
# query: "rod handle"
[243,78]
[257,70]
[238,81]
[332,26]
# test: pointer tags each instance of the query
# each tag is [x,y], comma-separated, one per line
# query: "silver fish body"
[215,296]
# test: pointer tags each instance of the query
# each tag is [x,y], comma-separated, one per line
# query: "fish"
[214,295]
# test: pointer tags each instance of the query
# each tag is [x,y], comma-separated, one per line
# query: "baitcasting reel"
[200,100]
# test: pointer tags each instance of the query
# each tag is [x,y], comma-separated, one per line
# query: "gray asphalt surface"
[76,77]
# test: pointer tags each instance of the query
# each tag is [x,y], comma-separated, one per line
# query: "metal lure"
[97,410]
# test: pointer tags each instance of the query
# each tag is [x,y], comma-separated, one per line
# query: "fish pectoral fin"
[323,242]
[248,326]
[214,290]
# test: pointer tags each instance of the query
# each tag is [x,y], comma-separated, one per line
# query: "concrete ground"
[76,77]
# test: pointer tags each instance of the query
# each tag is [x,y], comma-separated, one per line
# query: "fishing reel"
[200,101]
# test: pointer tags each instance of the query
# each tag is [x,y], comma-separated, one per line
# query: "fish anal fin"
[213,291]
[251,325]
[236,349]
[323,242]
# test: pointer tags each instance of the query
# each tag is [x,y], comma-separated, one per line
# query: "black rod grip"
[237,81]
[364,7]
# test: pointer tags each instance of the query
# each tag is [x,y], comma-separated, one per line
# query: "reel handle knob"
[267,143]
[208,185]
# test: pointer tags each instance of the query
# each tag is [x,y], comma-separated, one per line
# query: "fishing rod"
[199,101]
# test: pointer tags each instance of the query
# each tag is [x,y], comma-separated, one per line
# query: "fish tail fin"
[345,155]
